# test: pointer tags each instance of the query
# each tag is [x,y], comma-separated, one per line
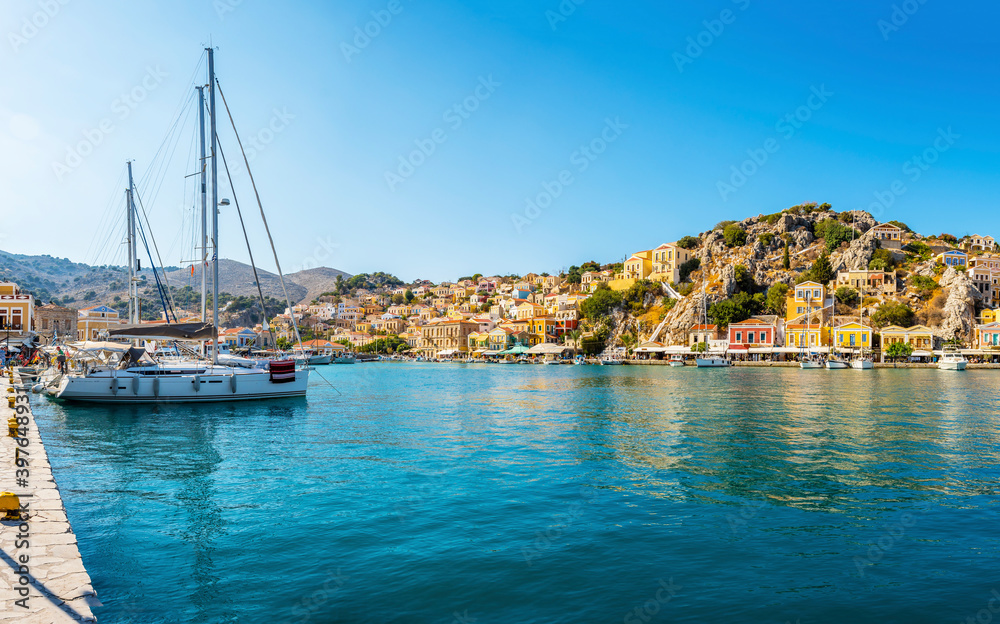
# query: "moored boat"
[676,360]
[952,359]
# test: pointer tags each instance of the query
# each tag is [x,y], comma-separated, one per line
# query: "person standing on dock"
[61,360]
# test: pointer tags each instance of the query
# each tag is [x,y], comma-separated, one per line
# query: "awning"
[677,349]
[547,348]
[518,350]
[172,331]
[491,352]
[921,354]
[447,352]
[761,349]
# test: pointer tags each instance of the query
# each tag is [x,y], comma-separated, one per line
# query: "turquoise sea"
[460,494]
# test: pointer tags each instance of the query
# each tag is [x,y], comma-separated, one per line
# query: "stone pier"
[42,577]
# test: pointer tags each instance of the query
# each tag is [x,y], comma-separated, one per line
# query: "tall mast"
[133,311]
[204,206]
[215,208]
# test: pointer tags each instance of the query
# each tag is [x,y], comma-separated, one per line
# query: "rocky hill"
[945,300]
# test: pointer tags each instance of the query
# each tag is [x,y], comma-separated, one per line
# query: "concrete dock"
[42,576]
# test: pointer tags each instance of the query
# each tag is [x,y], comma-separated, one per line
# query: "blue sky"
[625,124]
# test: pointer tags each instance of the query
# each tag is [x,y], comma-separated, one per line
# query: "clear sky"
[621,122]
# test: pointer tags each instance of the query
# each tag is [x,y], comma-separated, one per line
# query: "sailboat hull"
[810,364]
[836,365]
[862,365]
[213,386]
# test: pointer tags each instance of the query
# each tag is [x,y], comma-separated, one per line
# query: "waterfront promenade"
[43,579]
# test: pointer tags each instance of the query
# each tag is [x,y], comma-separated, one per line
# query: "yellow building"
[806,298]
[542,329]
[667,260]
[639,266]
[16,309]
[919,337]
[95,321]
[852,336]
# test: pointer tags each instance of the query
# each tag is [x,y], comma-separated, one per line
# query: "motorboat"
[712,362]
[952,359]
[676,360]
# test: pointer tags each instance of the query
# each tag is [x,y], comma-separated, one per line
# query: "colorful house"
[988,336]
[639,266]
[95,321]
[808,331]
[756,331]
[703,333]
[16,309]
[920,337]
[888,235]
[807,298]
[954,258]
[852,335]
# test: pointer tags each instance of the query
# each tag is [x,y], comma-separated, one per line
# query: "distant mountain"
[236,278]
[316,281]
[81,285]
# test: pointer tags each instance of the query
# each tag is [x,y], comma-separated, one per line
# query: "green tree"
[786,261]
[688,242]
[734,235]
[777,295]
[847,295]
[898,350]
[739,307]
[833,233]
[398,299]
[821,270]
[744,280]
[602,303]
[892,313]
[686,269]
[701,347]
[408,295]
[882,260]
[283,344]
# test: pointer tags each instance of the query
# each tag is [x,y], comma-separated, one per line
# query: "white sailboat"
[133,377]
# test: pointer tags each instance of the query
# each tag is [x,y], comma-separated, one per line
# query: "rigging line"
[159,286]
[253,265]
[298,337]
[103,222]
[170,130]
[156,172]
[158,258]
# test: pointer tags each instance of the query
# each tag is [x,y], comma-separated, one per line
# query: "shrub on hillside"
[688,242]
[734,235]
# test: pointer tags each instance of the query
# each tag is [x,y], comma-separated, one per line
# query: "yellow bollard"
[12,427]
[10,506]
[10,402]
[10,390]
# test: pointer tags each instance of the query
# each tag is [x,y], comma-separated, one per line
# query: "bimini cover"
[172,331]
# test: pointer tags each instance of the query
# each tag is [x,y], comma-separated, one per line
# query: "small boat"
[952,359]
[712,362]
[835,362]
[608,361]
[29,373]
[811,362]
[862,363]
[348,358]
[553,362]
[676,360]
[579,361]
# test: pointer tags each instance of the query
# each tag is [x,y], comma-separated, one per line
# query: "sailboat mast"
[132,287]
[204,206]
[215,207]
